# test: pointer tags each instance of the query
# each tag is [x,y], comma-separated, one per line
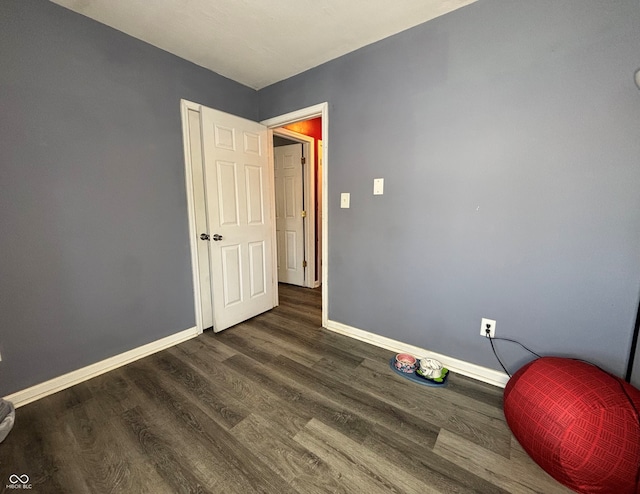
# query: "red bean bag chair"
[576,422]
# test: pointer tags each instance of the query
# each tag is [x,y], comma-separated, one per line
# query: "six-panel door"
[287,162]
[238,191]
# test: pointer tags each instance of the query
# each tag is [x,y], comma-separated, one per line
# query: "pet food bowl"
[430,368]
[405,363]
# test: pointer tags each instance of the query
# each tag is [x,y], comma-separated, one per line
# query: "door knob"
[204,236]
[217,237]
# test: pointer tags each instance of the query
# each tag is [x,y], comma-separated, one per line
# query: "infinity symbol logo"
[19,479]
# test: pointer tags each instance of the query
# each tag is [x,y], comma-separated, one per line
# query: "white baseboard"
[25,396]
[56,384]
[468,369]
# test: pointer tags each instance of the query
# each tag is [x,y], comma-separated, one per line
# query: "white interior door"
[289,214]
[238,196]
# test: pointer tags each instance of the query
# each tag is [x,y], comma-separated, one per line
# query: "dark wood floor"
[274,405]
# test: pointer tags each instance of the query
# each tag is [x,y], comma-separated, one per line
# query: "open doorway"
[313,123]
[299,202]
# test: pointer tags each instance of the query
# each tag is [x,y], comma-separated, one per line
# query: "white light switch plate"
[345,199]
[378,186]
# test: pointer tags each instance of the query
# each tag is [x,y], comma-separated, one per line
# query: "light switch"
[378,186]
[345,199]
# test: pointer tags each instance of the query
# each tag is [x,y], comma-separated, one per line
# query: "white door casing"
[309,201]
[194,143]
[239,194]
[289,213]
[319,110]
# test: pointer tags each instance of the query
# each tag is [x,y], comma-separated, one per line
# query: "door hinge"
[303,160]
[304,214]
[304,264]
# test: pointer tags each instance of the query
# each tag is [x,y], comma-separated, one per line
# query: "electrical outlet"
[491,323]
[378,186]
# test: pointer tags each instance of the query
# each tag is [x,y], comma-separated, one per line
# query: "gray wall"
[508,134]
[94,252]
[526,110]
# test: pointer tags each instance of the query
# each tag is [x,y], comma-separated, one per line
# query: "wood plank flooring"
[273,405]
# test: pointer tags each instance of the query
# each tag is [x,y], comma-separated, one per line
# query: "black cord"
[494,352]
[517,342]
[491,338]
[634,345]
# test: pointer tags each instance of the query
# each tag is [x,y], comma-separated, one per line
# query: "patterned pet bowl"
[405,363]
[431,368]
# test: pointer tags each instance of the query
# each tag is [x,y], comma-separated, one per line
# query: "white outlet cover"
[378,186]
[483,327]
[345,200]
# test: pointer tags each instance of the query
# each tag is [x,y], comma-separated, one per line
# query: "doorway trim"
[319,110]
[309,187]
[185,106]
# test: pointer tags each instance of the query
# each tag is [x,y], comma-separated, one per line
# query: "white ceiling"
[260,42]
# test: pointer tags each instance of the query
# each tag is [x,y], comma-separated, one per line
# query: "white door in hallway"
[239,192]
[289,213]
